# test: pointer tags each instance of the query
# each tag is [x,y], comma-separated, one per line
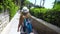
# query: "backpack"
[27,25]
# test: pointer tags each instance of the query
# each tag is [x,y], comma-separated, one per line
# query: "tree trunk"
[40,2]
[43,3]
[35,1]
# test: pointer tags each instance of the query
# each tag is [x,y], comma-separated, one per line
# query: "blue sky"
[48,3]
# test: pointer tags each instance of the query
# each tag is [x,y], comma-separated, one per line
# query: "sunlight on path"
[14,24]
[11,28]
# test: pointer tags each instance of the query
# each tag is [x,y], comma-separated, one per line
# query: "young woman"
[25,15]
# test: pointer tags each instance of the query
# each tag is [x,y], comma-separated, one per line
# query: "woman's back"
[23,20]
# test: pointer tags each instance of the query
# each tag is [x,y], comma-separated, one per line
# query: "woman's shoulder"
[29,15]
[26,16]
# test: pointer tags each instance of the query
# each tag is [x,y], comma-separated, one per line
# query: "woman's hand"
[18,30]
[31,33]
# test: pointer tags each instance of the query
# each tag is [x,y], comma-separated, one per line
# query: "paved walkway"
[11,28]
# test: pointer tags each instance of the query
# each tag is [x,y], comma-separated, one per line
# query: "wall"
[4,20]
[43,27]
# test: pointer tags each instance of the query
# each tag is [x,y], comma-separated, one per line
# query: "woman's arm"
[20,21]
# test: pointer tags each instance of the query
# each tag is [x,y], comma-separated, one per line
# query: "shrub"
[1,8]
[52,16]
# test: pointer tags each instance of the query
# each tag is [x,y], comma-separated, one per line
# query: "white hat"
[25,10]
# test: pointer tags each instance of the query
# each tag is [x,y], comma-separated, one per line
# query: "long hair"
[25,12]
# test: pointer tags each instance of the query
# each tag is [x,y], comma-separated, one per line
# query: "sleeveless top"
[27,25]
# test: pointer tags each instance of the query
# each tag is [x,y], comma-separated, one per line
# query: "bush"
[10,5]
[1,8]
[38,12]
[52,16]
[13,8]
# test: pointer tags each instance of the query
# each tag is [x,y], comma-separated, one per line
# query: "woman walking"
[25,21]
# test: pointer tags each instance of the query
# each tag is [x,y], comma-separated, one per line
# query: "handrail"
[45,27]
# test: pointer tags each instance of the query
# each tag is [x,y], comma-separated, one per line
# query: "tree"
[35,2]
[17,2]
[25,3]
[1,1]
[56,5]
[43,3]
[40,2]
[21,3]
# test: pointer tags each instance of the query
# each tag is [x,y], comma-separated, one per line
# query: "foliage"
[26,2]
[49,15]
[38,12]
[1,7]
[1,1]
[9,4]
[57,6]
[13,8]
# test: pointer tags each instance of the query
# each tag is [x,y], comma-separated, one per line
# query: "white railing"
[4,20]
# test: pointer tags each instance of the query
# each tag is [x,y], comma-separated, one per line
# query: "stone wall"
[43,27]
[4,20]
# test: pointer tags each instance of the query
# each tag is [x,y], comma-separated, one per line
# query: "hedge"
[9,5]
[51,16]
